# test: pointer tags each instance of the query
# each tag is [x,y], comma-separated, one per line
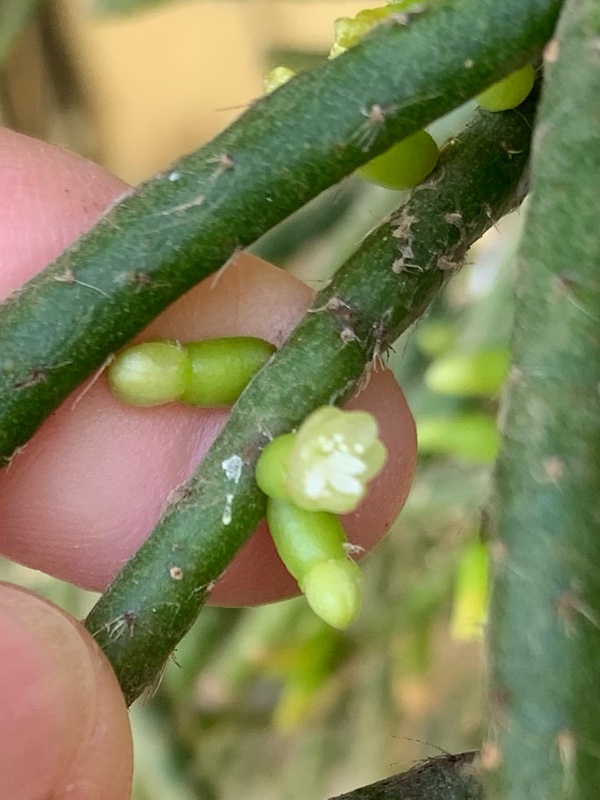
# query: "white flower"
[335,454]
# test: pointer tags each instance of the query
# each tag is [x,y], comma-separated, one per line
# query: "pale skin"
[88,488]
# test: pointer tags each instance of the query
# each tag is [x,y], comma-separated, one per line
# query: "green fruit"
[222,368]
[509,92]
[405,164]
[149,374]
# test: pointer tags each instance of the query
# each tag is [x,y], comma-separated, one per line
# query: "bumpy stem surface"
[545,620]
[448,777]
[181,225]
[385,287]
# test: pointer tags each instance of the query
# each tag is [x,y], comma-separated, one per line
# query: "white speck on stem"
[227,515]
[174,176]
[232,467]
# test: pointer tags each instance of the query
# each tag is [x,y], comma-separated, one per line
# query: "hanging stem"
[545,618]
[447,777]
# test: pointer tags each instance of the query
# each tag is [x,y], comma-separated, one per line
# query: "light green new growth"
[350,30]
[471,590]
[472,435]
[324,467]
[276,78]
[410,161]
[303,538]
[509,92]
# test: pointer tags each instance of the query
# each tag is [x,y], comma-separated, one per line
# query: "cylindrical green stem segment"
[545,616]
[382,290]
[186,222]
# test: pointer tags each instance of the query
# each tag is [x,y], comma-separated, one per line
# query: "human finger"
[64,730]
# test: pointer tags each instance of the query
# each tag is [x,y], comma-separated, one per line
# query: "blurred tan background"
[162,81]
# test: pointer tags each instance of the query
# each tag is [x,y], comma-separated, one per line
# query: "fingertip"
[63,722]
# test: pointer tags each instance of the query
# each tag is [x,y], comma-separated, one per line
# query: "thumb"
[64,731]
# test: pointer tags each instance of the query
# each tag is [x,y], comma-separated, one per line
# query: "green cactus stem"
[378,293]
[446,777]
[545,618]
[163,237]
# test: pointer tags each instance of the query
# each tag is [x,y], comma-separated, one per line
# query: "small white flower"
[335,454]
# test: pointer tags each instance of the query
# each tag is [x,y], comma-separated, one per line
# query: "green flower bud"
[313,547]
[334,455]
[149,374]
[333,589]
[222,368]
[304,538]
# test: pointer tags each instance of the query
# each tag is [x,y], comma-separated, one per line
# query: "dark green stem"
[545,619]
[447,777]
[183,224]
[382,290]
